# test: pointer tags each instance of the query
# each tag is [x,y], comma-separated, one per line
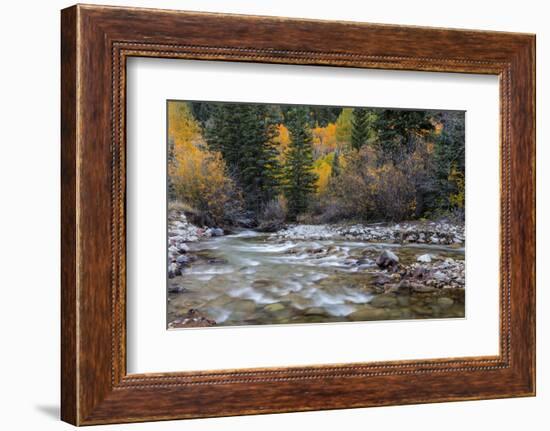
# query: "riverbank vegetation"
[261,166]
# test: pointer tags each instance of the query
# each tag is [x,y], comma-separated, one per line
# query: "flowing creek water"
[251,278]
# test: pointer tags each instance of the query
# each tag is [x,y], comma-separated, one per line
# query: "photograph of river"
[293,214]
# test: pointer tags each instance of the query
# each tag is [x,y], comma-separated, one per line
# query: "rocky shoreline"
[400,233]
[180,233]
[429,273]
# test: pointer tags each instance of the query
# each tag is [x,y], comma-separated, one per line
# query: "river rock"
[177,289]
[274,308]
[193,319]
[183,259]
[315,311]
[216,231]
[422,310]
[405,286]
[445,302]
[383,300]
[391,288]
[368,313]
[245,306]
[182,247]
[261,283]
[420,232]
[440,276]
[297,300]
[425,258]
[387,260]
[420,272]
[173,270]
[270,226]
[382,279]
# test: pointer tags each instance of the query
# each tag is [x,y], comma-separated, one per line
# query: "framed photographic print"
[268,215]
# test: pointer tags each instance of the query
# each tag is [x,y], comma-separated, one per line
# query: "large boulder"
[387,260]
[173,270]
[425,258]
[182,247]
[216,231]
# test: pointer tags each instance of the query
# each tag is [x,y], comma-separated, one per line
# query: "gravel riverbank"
[399,233]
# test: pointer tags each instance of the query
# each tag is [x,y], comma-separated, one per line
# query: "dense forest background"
[259,165]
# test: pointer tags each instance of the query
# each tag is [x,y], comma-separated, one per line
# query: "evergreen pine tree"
[449,160]
[397,132]
[359,128]
[258,165]
[244,134]
[223,133]
[299,178]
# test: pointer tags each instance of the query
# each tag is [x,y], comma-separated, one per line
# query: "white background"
[151,348]
[29,226]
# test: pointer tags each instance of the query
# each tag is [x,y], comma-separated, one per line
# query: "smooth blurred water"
[250,278]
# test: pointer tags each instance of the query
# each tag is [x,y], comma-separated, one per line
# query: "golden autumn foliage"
[324,139]
[282,140]
[323,169]
[198,175]
[182,127]
[323,174]
[456,177]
